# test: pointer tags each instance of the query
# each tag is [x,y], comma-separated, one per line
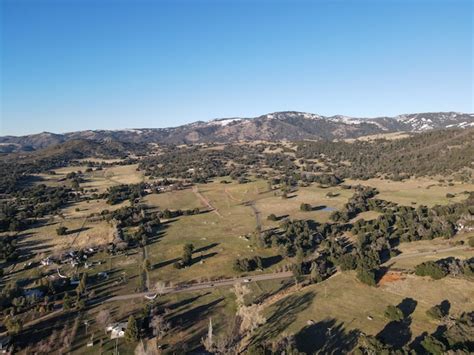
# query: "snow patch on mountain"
[224,122]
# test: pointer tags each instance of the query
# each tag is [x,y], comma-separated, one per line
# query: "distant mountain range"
[287,125]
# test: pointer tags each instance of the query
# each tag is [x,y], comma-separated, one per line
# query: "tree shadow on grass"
[271,260]
[205,248]
[416,343]
[202,258]
[185,302]
[380,273]
[284,284]
[286,312]
[189,318]
[407,306]
[165,263]
[326,337]
[396,333]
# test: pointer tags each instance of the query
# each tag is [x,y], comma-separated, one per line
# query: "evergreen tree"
[131,333]
[67,302]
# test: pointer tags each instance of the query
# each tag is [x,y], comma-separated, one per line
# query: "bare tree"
[240,291]
[251,317]
[140,349]
[160,287]
[208,341]
[160,326]
[103,318]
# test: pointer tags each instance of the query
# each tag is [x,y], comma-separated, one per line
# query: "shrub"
[347,262]
[272,217]
[471,242]
[61,231]
[305,207]
[393,313]
[435,312]
[367,276]
[432,269]
[433,345]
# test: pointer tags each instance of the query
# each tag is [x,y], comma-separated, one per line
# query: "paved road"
[207,285]
[426,253]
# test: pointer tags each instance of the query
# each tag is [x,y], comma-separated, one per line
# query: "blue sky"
[80,64]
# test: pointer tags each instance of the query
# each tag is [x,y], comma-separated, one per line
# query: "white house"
[117,330]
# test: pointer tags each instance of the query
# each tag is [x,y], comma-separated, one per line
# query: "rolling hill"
[288,125]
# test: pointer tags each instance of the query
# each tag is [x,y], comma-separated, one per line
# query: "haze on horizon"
[68,66]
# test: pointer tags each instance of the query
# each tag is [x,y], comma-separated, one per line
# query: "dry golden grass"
[346,300]
[313,195]
[46,238]
[86,208]
[368,215]
[435,246]
[174,200]
[387,136]
[420,191]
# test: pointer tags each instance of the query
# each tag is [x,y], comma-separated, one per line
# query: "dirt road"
[207,285]
[425,253]
[205,201]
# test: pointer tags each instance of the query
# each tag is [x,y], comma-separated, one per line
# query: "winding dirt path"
[205,201]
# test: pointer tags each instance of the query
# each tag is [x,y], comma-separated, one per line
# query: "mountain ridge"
[283,125]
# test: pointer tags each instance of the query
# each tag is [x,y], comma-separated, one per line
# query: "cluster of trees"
[294,237]
[16,168]
[457,337]
[322,179]
[120,193]
[191,163]
[444,267]
[31,203]
[429,153]
[361,201]
[8,248]
[248,264]
[167,214]
[122,219]
[187,258]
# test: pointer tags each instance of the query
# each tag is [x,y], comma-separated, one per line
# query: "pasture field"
[221,236]
[83,209]
[97,179]
[419,191]
[412,253]
[344,304]
[322,316]
[79,235]
[173,200]
[322,205]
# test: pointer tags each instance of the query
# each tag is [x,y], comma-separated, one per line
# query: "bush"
[61,230]
[272,217]
[471,242]
[348,262]
[433,345]
[393,313]
[432,269]
[305,207]
[367,276]
[435,312]
[246,264]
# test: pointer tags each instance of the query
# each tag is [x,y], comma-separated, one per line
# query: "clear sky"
[81,64]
